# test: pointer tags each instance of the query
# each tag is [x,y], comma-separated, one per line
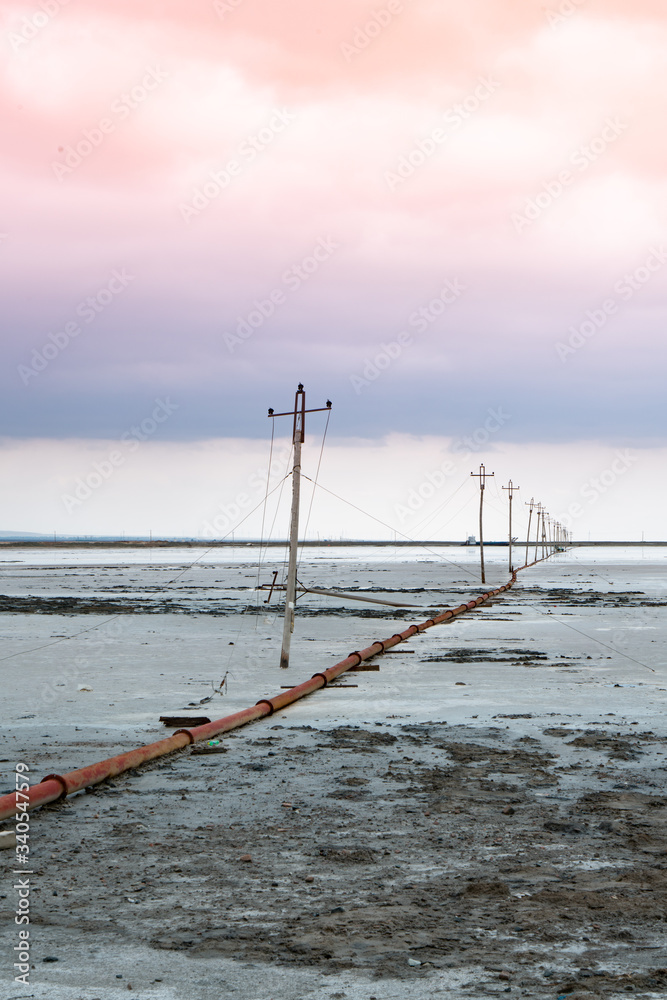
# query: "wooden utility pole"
[540,513]
[530,504]
[482,474]
[511,492]
[545,515]
[298,436]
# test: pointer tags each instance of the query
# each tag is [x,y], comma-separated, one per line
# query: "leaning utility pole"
[530,504]
[512,490]
[298,436]
[482,474]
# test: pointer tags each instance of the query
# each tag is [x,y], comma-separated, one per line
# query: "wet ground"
[484,814]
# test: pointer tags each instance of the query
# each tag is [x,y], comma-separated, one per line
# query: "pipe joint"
[324,678]
[358,654]
[61,781]
[184,732]
[265,701]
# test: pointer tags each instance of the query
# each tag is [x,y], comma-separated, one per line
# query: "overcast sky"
[424,210]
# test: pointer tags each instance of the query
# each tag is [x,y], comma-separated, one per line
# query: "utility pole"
[298,436]
[545,515]
[482,474]
[540,513]
[511,492]
[530,504]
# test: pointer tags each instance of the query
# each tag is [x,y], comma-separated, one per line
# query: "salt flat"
[503,771]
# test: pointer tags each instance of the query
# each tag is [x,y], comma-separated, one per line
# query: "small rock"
[310,878]
[7,839]
[508,811]
[50,958]
[245,857]
[504,975]
[413,962]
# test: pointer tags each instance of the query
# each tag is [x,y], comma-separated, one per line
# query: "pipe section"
[54,787]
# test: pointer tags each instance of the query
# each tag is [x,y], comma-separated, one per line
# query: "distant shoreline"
[190,543]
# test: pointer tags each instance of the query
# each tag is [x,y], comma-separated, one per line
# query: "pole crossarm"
[299,414]
[512,489]
[482,475]
[290,413]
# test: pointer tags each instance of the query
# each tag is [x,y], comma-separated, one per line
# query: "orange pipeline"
[57,786]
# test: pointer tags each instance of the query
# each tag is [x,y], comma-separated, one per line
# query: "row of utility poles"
[550,535]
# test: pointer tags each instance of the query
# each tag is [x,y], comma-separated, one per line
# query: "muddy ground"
[534,864]
[510,838]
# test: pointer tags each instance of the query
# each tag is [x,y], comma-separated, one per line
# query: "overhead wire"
[266,498]
[429,517]
[415,541]
[157,589]
[315,483]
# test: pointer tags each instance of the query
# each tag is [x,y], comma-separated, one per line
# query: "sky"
[447,218]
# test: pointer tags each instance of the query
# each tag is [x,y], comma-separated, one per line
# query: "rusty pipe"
[55,786]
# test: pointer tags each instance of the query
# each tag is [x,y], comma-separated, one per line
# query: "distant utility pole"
[482,474]
[512,489]
[540,514]
[530,504]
